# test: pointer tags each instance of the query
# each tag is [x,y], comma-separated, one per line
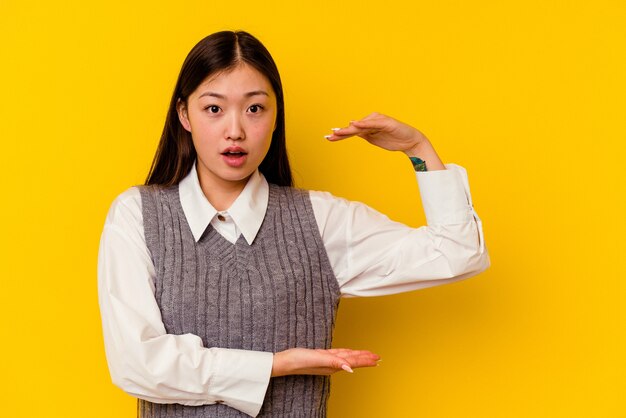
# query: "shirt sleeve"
[143,359]
[372,255]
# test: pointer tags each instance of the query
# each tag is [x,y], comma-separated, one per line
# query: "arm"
[150,364]
[143,359]
[372,255]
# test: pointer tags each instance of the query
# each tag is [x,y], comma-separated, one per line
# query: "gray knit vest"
[278,293]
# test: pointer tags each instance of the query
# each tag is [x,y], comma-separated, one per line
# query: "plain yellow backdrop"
[528,96]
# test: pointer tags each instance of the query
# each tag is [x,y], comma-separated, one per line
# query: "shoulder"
[322,198]
[331,211]
[125,208]
[339,212]
[123,232]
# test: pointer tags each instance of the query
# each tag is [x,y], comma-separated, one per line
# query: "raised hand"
[321,362]
[390,134]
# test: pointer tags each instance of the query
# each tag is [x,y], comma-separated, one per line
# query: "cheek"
[203,132]
[264,130]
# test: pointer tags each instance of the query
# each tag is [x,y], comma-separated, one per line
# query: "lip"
[234,160]
[234,149]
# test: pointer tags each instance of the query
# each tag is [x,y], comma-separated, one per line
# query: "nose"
[234,128]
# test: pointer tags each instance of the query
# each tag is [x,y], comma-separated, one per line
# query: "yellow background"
[528,96]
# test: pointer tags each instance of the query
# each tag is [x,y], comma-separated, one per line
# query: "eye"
[255,108]
[212,109]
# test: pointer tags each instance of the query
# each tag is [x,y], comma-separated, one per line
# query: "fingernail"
[334,129]
[347,368]
[327,136]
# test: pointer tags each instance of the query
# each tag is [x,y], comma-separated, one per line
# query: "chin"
[236,177]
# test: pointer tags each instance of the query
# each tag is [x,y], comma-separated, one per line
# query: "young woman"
[219,282]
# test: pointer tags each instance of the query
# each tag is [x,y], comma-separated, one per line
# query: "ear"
[181,109]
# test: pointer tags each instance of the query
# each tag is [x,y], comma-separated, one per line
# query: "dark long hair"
[220,51]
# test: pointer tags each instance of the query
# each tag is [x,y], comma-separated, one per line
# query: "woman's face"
[231,117]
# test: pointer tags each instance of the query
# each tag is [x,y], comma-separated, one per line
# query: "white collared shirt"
[370,256]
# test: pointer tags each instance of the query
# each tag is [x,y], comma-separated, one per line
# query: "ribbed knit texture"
[278,293]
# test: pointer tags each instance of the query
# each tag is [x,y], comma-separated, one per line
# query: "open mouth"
[234,151]
[234,156]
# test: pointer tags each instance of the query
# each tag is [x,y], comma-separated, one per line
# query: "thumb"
[339,363]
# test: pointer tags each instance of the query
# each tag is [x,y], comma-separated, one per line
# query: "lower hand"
[321,362]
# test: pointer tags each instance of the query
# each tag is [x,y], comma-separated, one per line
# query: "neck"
[221,194]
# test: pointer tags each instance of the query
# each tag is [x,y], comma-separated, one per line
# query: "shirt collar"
[247,211]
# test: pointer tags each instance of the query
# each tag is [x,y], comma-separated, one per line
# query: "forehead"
[235,81]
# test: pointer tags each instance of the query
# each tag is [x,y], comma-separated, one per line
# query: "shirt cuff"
[241,379]
[445,195]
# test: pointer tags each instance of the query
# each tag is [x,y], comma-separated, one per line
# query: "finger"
[359,354]
[344,133]
[348,351]
[339,350]
[347,368]
[351,129]
[363,360]
[370,124]
[358,358]
[334,350]
[365,355]
[349,354]
[339,363]
[335,137]
[377,123]
[326,362]
[337,358]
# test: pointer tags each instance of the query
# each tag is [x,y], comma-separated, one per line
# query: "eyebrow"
[221,96]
